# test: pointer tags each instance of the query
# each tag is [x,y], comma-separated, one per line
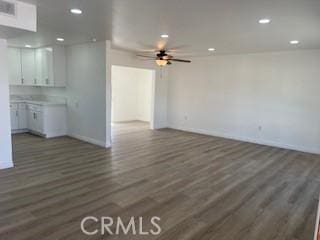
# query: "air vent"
[8,7]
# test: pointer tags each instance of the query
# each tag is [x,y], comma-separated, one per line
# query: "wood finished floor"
[202,187]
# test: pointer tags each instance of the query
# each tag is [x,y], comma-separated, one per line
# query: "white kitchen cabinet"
[22,114]
[47,120]
[30,120]
[18,117]
[38,61]
[14,115]
[35,121]
[28,67]
[14,66]
[44,67]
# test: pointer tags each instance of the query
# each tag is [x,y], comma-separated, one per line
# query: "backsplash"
[24,90]
[38,98]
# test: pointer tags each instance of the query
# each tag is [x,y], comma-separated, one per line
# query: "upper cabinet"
[28,67]
[14,66]
[44,67]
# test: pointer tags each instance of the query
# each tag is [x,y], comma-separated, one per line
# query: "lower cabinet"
[18,116]
[14,115]
[35,121]
[22,115]
[47,121]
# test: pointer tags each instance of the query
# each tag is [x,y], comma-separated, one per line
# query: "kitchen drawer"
[14,106]
[35,108]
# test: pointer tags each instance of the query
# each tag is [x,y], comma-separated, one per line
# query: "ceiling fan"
[162,58]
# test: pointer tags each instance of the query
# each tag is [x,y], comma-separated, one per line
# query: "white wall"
[145,84]
[269,98]
[131,94]
[86,92]
[5,128]
[160,88]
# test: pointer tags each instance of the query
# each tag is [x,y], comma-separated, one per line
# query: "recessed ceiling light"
[293,42]
[60,39]
[164,35]
[28,46]
[76,11]
[264,21]
[211,49]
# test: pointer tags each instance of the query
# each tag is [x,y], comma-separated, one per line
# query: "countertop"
[41,103]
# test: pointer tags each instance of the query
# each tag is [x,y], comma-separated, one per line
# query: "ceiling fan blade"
[167,57]
[149,57]
[148,50]
[176,48]
[180,60]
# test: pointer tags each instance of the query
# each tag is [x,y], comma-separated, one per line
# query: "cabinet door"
[22,116]
[28,66]
[35,121]
[14,119]
[47,67]
[44,66]
[30,120]
[14,66]
[39,122]
[38,62]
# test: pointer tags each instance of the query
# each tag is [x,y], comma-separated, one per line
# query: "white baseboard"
[59,133]
[89,140]
[244,139]
[5,165]
[19,131]
[108,144]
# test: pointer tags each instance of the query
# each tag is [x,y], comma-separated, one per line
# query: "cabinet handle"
[22,80]
[17,113]
[35,81]
[34,116]
[47,81]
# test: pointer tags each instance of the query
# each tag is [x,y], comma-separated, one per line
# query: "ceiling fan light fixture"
[161,62]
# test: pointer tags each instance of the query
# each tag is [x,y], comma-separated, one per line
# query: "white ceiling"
[229,26]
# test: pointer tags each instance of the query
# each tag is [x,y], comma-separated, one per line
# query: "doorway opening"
[132,98]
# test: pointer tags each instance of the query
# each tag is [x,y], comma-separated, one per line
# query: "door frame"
[153,91]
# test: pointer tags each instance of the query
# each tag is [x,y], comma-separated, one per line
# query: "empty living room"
[159,120]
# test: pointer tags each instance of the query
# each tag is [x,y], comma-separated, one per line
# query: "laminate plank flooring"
[201,187]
